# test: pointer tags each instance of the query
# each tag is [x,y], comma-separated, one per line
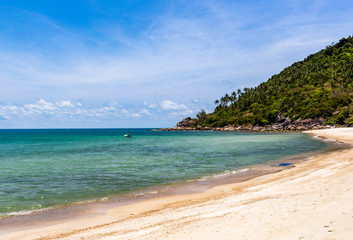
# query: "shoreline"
[66,211]
[27,218]
[95,221]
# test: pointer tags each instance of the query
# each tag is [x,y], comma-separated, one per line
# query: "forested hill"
[320,86]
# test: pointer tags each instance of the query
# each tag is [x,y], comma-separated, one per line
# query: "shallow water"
[45,168]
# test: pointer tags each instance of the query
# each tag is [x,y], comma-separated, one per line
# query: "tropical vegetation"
[320,86]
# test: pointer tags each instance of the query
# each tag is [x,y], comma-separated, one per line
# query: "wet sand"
[313,200]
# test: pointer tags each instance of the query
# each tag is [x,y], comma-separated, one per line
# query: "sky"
[139,63]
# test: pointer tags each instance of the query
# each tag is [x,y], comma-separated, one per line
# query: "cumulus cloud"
[170,105]
[41,105]
[11,109]
[64,104]
[150,105]
[71,111]
[58,109]
[124,111]
[107,109]
[145,111]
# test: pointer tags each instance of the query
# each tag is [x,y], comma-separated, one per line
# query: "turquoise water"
[45,168]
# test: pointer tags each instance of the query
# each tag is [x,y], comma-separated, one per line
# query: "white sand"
[313,200]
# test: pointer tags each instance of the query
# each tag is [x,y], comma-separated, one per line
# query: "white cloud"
[145,111]
[11,109]
[136,115]
[106,109]
[40,107]
[150,105]
[187,113]
[124,111]
[170,105]
[64,104]
[65,110]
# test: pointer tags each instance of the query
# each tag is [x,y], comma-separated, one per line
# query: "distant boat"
[127,135]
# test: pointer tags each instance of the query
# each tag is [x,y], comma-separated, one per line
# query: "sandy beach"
[313,200]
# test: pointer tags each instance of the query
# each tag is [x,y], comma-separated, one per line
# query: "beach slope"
[313,200]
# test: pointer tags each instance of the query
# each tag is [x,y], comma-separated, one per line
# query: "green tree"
[201,116]
[317,87]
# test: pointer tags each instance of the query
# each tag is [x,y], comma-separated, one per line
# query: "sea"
[47,168]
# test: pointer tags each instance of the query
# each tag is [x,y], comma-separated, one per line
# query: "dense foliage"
[320,86]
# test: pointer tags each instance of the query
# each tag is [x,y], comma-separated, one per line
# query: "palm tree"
[239,93]
[234,97]
[227,99]
[223,101]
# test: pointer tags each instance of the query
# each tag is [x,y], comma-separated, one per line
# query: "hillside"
[319,88]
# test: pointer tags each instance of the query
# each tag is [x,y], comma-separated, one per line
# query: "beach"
[313,200]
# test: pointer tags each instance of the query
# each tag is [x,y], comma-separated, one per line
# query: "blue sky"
[93,63]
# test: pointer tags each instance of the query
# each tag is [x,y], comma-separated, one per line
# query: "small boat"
[127,135]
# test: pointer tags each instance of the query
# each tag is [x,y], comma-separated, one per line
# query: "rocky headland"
[315,93]
[282,124]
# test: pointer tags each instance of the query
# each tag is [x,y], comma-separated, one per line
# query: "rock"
[277,127]
[287,121]
[257,128]
[280,119]
[186,123]
[281,124]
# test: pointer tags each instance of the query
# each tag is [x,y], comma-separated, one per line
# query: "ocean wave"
[324,138]
[224,174]
[146,193]
[25,212]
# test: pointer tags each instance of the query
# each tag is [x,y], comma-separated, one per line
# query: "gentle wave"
[224,174]
[26,212]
